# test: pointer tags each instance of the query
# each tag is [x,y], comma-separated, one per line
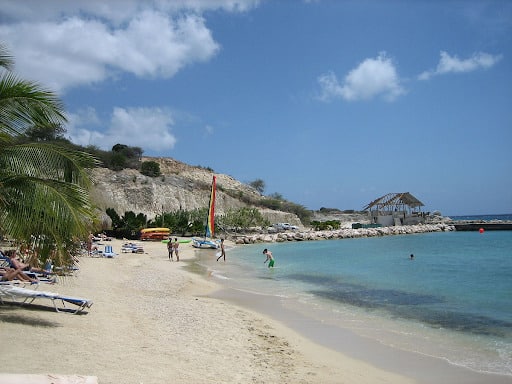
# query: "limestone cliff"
[180,186]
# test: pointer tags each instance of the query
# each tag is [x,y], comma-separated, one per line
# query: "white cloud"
[208,130]
[148,128]
[113,11]
[64,44]
[452,64]
[372,78]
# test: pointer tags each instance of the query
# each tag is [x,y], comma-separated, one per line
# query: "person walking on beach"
[222,250]
[170,248]
[269,258]
[175,246]
[89,243]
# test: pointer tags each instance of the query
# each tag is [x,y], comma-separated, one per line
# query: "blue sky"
[331,103]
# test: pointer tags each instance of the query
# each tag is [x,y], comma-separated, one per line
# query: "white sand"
[151,323]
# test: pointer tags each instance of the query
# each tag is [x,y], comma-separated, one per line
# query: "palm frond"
[25,103]
[6,60]
[47,161]
[44,198]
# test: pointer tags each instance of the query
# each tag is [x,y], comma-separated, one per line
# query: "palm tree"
[44,199]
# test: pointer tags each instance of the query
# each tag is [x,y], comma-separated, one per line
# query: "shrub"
[150,168]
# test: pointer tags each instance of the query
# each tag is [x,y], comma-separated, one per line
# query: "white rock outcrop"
[180,187]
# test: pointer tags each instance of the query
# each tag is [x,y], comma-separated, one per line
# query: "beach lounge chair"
[109,252]
[132,248]
[126,248]
[27,296]
[4,261]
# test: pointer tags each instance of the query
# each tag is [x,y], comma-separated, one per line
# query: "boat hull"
[205,244]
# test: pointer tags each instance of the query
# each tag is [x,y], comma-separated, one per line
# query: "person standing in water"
[222,250]
[269,258]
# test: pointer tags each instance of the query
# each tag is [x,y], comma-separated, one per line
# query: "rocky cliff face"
[181,186]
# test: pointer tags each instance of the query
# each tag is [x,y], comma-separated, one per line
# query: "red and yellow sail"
[210,221]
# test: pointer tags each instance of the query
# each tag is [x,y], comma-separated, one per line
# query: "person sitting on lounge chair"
[9,274]
[17,264]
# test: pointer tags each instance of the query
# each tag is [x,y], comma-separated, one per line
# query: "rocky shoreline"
[343,233]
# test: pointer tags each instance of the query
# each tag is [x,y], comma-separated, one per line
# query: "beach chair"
[4,261]
[132,248]
[126,248]
[109,252]
[27,296]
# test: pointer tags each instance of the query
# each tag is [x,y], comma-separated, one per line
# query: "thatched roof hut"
[395,202]
[395,209]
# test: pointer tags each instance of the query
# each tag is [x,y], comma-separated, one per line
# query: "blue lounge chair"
[27,296]
[109,252]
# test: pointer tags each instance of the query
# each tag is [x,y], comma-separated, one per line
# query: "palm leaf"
[24,103]
[44,199]
[6,60]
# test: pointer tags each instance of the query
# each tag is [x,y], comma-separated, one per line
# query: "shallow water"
[452,301]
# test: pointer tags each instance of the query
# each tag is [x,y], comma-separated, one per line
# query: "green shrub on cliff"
[150,168]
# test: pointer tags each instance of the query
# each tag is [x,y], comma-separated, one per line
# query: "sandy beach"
[153,322]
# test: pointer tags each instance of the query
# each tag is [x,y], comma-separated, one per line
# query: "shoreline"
[417,367]
[322,328]
[154,321]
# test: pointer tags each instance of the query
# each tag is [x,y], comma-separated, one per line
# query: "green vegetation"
[209,169]
[278,203]
[325,225]
[329,210]
[44,199]
[258,185]
[185,223]
[127,226]
[182,222]
[150,168]
[241,219]
[274,201]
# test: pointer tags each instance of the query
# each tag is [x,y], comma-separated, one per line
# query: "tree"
[242,218]
[44,199]
[117,161]
[178,221]
[116,220]
[124,156]
[45,132]
[258,185]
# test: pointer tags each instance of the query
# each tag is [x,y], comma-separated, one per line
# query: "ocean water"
[502,217]
[452,301]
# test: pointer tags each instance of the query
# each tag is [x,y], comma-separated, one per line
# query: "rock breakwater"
[344,233]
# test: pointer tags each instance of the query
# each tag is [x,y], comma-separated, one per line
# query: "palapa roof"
[393,200]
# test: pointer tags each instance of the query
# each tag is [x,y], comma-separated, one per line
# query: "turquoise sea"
[452,301]
[502,217]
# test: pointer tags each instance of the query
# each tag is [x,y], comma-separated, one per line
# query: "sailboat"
[208,242]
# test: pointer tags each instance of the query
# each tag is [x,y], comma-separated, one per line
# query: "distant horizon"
[484,214]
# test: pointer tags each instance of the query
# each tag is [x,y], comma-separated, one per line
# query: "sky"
[331,103]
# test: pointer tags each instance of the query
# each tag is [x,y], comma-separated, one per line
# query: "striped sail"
[210,221]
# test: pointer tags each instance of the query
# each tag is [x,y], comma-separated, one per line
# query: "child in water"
[269,258]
